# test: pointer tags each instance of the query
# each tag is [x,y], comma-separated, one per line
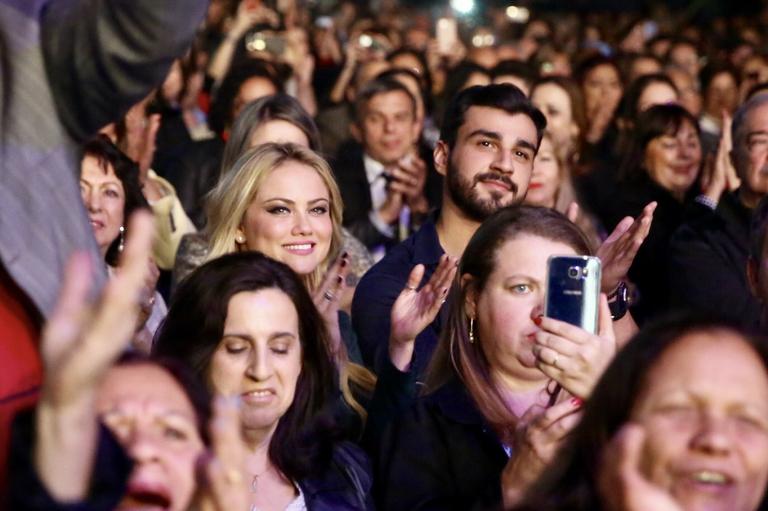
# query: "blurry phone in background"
[372,43]
[518,14]
[573,290]
[447,34]
[269,42]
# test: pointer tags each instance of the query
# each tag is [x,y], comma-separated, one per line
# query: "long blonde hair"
[226,207]
[227,203]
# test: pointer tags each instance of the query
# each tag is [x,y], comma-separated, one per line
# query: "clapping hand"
[415,308]
[537,437]
[618,251]
[327,298]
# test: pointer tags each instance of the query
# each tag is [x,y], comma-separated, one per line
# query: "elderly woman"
[109,185]
[487,424]
[247,326]
[663,166]
[678,422]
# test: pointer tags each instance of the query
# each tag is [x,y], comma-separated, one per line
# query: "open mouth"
[145,500]
[711,478]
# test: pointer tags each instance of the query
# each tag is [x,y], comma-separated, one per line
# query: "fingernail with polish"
[537,320]
[575,401]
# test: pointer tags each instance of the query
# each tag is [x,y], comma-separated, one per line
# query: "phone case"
[573,290]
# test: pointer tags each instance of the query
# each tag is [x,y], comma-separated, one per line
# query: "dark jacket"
[349,169]
[440,455]
[649,271]
[707,263]
[345,485]
[380,287]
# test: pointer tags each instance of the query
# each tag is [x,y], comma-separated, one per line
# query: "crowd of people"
[306,264]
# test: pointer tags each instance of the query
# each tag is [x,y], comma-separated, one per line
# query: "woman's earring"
[240,239]
[121,244]
[472,330]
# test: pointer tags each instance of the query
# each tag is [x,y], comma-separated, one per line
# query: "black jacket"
[440,455]
[649,271]
[349,170]
[707,263]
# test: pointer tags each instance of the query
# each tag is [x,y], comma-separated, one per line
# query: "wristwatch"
[618,301]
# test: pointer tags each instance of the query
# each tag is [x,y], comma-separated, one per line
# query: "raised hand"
[79,343]
[574,357]
[327,297]
[224,468]
[618,251]
[621,484]
[415,309]
[719,173]
[81,340]
[537,437]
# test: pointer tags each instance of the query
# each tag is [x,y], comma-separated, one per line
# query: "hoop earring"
[472,330]
[121,243]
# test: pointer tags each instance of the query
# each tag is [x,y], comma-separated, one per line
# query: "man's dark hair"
[503,96]
[378,86]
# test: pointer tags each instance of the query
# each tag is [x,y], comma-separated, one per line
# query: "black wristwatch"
[618,301]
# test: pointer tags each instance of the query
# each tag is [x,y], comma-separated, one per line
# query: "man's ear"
[470,295]
[752,272]
[441,155]
[356,132]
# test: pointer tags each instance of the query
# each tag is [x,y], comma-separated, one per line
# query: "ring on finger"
[554,361]
[410,288]
[328,296]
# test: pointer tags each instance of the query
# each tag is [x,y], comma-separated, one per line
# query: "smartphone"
[573,290]
[265,41]
[446,33]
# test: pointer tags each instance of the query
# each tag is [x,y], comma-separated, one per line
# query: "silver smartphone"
[573,290]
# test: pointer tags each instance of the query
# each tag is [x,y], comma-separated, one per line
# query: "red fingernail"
[537,320]
[575,401]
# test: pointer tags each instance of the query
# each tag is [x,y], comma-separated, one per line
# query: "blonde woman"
[282,200]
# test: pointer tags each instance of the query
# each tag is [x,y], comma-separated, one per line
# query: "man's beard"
[464,194]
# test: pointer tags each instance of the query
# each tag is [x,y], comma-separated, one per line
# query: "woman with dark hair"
[678,422]
[247,326]
[602,85]
[492,398]
[109,185]
[662,166]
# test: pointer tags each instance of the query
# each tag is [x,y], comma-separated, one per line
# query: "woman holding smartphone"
[495,372]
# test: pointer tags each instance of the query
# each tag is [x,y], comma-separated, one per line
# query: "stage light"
[518,14]
[463,6]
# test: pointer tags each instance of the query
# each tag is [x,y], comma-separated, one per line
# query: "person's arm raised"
[79,343]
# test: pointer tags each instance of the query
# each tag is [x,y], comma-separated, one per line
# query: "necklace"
[254,486]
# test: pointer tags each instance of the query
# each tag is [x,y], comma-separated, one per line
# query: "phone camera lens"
[574,272]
